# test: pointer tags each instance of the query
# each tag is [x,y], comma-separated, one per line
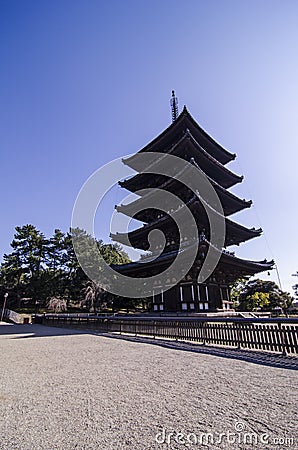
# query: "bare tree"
[57,304]
[93,296]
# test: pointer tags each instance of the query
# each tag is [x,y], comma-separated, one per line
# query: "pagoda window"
[161,307]
[203,306]
[157,298]
[198,290]
[181,294]
[203,293]
[225,298]
[184,306]
[224,294]
[203,297]
[207,298]
[187,295]
[192,306]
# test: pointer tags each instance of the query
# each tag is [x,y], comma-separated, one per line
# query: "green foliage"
[42,269]
[117,303]
[113,253]
[21,271]
[29,245]
[236,289]
[263,295]
[256,301]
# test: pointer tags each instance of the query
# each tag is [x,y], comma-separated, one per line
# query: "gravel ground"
[66,389]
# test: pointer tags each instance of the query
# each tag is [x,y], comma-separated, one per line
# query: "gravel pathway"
[65,389]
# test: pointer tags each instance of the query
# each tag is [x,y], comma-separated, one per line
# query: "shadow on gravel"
[33,331]
[256,357]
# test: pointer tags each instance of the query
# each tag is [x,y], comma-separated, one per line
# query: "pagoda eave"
[178,127]
[235,233]
[188,147]
[227,263]
[139,238]
[229,201]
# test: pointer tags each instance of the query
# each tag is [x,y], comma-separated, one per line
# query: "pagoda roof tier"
[235,233]
[188,149]
[229,201]
[174,132]
[228,264]
[243,267]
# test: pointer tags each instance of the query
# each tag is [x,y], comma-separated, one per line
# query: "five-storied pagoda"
[184,138]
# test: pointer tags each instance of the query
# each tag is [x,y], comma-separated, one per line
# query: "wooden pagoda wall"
[192,297]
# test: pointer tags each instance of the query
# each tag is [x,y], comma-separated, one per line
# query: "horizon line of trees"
[46,272]
[40,270]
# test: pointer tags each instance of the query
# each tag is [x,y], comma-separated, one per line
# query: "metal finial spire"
[174,106]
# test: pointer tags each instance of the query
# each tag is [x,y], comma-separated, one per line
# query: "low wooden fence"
[278,335]
[15,317]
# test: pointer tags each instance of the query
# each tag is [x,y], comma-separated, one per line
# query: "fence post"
[204,333]
[239,335]
[283,339]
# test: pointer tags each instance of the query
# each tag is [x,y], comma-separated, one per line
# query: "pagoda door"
[171,300]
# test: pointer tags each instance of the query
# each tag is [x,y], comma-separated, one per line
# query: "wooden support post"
[283,339]
[204,333]
[239,335]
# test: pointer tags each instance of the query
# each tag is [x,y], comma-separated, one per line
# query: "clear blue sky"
[84,82]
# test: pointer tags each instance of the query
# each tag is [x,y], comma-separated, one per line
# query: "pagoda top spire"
[174,106]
